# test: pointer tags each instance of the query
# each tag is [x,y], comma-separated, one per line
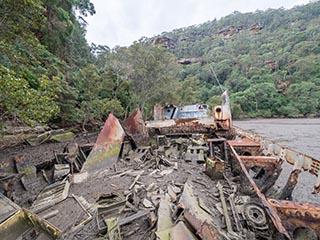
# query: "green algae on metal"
[107,147]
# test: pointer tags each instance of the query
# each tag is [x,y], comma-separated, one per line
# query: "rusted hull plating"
[136,127]
[107,147]
[272,213]
[298,160]
[298,216]
[188,125]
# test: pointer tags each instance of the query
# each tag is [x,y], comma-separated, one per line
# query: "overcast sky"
[120,22]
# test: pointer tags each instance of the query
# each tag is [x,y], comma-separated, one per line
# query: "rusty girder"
[271,211]
[187,125]
[287,216]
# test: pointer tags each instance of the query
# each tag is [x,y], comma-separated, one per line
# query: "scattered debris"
[133,217]
[51,195]
[195,154]
[108,211]
[139,154]
[50,214]
[134,181]
[147,203]
[27,171]
[17,223]
[54,135]
[7,208]
[172,178]
[60,171]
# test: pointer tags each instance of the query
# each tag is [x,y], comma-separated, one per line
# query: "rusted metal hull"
[289,217]
[272,213]
[136,127]
[188,125]
[107,147]
[298,160]
[234,203]
[296,216]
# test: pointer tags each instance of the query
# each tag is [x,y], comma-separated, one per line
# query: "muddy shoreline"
[302,134]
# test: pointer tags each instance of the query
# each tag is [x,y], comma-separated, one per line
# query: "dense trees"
[28,71]
[141,75]
[48,73]
[42,47]
[29,104]
[269,61]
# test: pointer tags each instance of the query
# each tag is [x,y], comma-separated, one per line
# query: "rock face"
[186,61]
[230,31]
[165,41]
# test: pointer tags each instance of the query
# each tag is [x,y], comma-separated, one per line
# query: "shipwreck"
[186,174]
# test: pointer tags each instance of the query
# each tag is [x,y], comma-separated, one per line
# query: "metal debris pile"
[166,179]
[158,189]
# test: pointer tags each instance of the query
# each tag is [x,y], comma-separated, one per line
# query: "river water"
[302,135]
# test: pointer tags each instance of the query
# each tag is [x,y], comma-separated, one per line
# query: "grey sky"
[120,22]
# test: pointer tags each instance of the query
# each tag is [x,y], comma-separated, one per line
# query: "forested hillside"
[49,74]
[42,46]
[269,62]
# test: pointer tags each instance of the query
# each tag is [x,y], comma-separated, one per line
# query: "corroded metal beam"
[287,216]
[271,211]
[186,125]
[298,160]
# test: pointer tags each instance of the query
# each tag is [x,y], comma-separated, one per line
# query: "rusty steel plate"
[106,150]
[244,142]
[297,215]
[136,127]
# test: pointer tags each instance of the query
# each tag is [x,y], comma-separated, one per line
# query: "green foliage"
[42,45]
[62,34]
[141,75]
[214,101]
[30,105]
[305,97]
[265,59]
[189,90]
[100,108]
[96,101]
[154,75]
[269,61]
[236,111]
